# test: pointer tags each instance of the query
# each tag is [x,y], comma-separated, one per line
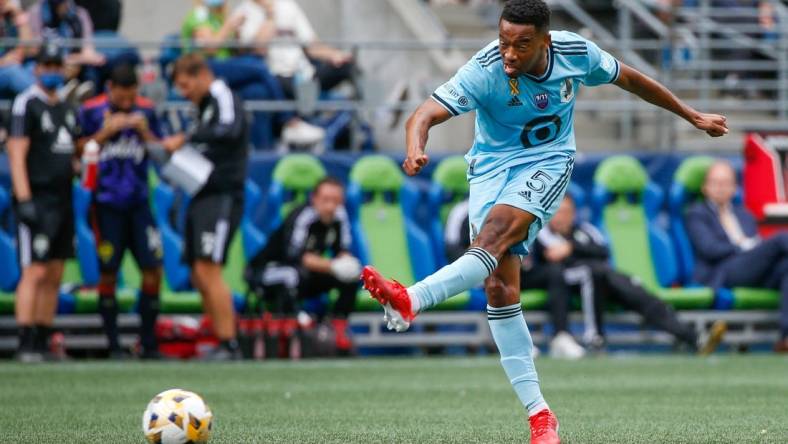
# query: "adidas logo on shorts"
[525,195]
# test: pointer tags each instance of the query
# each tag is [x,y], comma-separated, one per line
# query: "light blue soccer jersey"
[529,118]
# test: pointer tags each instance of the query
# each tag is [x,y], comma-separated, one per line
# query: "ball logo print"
[177,416]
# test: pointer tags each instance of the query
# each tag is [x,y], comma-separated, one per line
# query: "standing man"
[222,135]
[41,154]
[523,87]
[122,123]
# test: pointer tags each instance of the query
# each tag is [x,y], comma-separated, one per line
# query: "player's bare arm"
[417,128]
[18,148]
[655,93]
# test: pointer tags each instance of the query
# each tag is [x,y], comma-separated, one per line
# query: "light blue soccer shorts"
[536,187]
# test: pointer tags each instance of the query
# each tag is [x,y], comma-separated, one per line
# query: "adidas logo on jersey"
[514,101]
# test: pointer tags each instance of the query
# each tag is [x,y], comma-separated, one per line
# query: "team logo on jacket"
[540,100]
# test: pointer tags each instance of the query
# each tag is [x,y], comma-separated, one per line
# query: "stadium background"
[685,47]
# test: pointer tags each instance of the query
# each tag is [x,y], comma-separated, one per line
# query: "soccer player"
[122,123]
[222,135]
[40,155]
[523,87]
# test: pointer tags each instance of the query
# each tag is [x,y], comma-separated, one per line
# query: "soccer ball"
[177,417]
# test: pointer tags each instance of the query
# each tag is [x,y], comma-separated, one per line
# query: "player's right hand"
[715,125]
[414,163]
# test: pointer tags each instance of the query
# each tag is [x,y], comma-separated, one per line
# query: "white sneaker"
[564,346]
[302,133]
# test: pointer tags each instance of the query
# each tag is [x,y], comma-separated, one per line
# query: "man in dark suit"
[728,251]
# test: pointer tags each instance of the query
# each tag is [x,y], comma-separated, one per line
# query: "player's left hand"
[715,125]
[139,122]
[173,143]
[414,163]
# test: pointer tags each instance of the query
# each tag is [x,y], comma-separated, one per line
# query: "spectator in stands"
[728,251]
[123,123]
[40,155]
[63,19]
[105,14]
[206,26]
[308,255]
[306,58]
[222,133]
[14,77]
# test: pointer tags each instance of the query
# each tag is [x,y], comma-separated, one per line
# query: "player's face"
[522,47]
[122,98]
[720,184]
[326,200]
[193,88]
[564,217]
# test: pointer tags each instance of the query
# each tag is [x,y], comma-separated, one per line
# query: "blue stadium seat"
[86,240]
[684,190]
[625,205]
[253,238]
[9,272]
[175,272]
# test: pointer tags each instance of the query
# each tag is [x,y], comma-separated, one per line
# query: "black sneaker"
[222,354]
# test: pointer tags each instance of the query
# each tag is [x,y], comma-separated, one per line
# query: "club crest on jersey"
[567,91]
[540,100]
[514,87]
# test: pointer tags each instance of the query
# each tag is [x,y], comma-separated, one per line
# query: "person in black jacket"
[221,134]
[728,251]
[308,255]
[570,255]
[40,155]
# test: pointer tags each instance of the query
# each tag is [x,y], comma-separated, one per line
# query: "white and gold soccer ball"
[177,417]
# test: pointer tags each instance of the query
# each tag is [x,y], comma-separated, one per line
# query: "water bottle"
[90,160]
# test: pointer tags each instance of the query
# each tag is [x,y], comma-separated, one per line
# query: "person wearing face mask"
[14,77]
[41,154]
[308,255]
[122,123]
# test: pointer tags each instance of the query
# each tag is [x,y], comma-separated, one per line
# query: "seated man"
[728,251]
[572,256]
[208,27]
[14,77]
[308,255]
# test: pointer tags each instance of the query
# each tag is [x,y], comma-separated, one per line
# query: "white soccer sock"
[463,274]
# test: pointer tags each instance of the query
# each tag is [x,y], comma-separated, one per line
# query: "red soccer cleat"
[392,296]
[544,428]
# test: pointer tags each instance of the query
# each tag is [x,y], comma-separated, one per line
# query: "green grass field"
[724,399]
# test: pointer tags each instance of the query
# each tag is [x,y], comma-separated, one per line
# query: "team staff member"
[41,154]
[574,255]
[222,135]
[308,255]
[122,122]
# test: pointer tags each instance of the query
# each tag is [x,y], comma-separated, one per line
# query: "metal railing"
[716,59]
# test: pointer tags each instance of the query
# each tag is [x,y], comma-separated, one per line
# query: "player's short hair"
[527,12]
[190,64]
[124,75]
[329,180]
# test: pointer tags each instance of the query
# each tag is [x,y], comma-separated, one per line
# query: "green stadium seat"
[686,189]
[625,206]
[381,205]
[293,178]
